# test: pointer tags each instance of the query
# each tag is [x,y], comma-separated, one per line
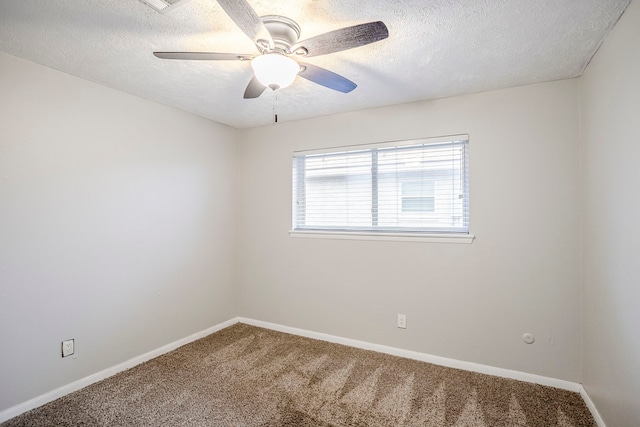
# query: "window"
[416,187]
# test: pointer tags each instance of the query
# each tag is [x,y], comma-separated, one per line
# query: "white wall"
[468,302]
[611,228]
[116,227]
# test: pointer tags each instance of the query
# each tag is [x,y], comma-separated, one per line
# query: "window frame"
[399,234]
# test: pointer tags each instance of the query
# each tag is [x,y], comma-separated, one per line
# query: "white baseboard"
[436,360]
[30,404]
[592,407]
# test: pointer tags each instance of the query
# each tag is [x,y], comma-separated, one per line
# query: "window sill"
[398,237]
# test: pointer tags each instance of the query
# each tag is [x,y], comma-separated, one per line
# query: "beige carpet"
[248,376]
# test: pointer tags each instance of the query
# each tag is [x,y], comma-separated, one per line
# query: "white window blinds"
[417,186]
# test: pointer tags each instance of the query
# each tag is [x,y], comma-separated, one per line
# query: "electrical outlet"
[402,321]
[67,348]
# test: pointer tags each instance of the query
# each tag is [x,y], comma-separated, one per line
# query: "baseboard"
[436,360]
[592,407]
[16,410]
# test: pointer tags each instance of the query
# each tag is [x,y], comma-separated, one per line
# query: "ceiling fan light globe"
[275,70]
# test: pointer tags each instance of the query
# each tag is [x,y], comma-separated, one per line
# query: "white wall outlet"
[67,348]
[402,321]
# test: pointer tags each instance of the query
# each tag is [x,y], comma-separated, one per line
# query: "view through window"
[418,186]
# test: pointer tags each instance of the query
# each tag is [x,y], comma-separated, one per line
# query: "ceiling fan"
[276,38]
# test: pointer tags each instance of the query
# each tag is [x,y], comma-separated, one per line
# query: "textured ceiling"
[436,48]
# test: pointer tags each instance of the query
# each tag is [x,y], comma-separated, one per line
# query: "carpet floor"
[249,376]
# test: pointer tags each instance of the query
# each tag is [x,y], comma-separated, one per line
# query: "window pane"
[413,187]
[338,190]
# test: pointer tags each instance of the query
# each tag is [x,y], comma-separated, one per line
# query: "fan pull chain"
[275,108]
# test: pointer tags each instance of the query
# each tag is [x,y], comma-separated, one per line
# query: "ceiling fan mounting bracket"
[284,31]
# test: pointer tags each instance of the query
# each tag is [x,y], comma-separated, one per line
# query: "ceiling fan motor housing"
[284,31]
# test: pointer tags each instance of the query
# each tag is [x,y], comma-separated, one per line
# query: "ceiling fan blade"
[248,20]
[254,89]
[343,39]
[204,56]
[326,78]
